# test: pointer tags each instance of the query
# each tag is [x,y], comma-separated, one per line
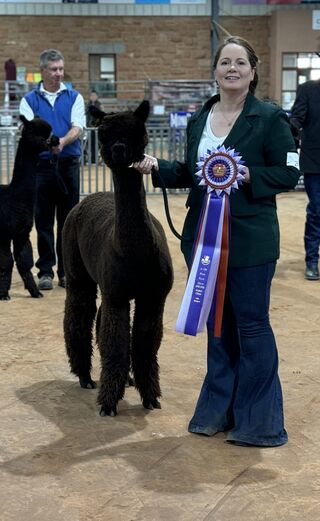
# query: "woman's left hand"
[246,173]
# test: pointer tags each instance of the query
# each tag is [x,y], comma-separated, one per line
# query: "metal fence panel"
[95,176]
[164,142]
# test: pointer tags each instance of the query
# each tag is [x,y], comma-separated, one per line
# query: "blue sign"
[179,119]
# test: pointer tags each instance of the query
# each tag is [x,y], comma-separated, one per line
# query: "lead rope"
[167,212]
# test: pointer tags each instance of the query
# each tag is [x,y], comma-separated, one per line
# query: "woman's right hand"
[146,165]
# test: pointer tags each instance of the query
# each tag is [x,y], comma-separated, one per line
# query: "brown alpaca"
[111,240]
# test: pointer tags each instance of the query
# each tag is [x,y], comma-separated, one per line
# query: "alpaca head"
[37,134]
[122,135]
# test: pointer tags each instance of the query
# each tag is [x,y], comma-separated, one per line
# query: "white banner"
[316,20]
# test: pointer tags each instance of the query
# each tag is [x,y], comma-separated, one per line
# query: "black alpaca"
[17,207]
[111,240]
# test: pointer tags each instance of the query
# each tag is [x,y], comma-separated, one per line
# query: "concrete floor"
[61,461]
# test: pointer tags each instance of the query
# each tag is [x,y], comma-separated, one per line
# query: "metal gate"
[164,142]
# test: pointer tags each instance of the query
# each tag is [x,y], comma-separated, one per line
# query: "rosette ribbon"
[219,172]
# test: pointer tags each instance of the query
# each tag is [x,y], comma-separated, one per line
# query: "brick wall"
[155,47]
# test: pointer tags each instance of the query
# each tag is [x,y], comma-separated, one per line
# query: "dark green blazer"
[262,136]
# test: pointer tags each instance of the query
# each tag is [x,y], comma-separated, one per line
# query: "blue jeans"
[241,392]
[312,227]
[57,194]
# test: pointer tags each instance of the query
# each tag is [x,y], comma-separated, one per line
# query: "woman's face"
[233,72]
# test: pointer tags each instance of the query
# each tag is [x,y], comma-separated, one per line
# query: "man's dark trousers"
[58,187]
[312,227]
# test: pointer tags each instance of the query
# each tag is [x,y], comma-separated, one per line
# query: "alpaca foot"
[108,411]
[36,294]
[87,383]
[5,297]
[151,404]
[30,285]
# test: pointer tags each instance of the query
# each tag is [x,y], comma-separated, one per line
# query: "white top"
[208,140]
[77,110]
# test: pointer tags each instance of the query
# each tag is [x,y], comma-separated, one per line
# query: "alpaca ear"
[142,112]
[97,114]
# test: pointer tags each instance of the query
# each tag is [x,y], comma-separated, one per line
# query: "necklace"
[228,121]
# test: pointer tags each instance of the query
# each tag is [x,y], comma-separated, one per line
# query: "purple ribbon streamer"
[197,300]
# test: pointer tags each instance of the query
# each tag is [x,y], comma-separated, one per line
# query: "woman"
[241,392]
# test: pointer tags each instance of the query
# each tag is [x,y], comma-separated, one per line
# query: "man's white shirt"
[77,112]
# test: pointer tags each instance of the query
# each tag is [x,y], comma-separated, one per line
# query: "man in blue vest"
[58,171]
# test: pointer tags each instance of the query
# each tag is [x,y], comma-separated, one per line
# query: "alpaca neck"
[133,230]
[23,183]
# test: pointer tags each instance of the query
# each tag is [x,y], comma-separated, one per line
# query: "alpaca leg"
[146,339]
[79,315]
[130,380]
[6,266]
[22,251]
[114,345]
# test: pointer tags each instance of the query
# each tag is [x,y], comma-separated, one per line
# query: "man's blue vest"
[58,116]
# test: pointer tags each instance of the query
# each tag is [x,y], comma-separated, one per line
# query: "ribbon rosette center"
[219,170]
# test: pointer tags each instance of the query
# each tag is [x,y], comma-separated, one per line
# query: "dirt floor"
[61,461]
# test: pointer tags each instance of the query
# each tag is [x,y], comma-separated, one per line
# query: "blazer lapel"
[244,123]
[238,131]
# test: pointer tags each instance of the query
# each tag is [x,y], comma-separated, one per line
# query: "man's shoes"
[312,272]
[62,282]
[45,282]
